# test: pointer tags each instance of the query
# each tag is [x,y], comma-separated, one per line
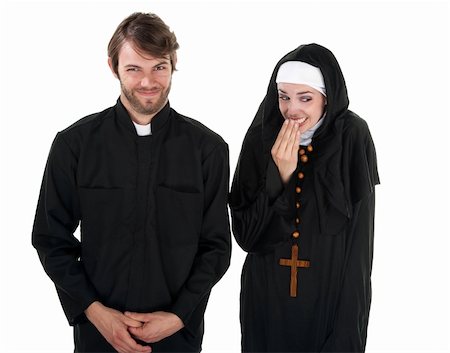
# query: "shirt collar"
[158,121]
[306,137]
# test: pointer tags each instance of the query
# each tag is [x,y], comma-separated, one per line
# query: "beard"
[149,106]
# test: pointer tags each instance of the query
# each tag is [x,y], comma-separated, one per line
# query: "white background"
[395,58]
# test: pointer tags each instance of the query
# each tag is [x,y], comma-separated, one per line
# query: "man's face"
[145,81]
[301,103]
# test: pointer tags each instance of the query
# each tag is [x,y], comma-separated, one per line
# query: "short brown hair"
[148,33]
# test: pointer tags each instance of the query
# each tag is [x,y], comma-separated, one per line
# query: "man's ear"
[110,64]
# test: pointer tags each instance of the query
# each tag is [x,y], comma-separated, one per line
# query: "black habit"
[154,221]
[326,212]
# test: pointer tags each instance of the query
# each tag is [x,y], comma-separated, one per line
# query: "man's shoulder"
[197,129]
[87,122]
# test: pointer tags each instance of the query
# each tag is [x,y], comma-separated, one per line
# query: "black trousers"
[89,340]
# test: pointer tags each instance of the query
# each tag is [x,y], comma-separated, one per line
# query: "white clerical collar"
[306,137]
[143,130]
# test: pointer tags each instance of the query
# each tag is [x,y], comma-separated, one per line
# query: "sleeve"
[253,215]
[214,250]
[57,217]
[352,314]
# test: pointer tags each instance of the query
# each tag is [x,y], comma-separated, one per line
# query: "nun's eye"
[305,99]
[283,98]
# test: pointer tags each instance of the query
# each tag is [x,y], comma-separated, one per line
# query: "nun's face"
[301,103]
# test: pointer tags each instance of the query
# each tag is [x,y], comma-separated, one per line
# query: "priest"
[148,187]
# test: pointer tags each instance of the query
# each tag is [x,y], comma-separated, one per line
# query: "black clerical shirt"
[153,216]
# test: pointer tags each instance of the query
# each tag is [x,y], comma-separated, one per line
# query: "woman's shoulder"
[354,126]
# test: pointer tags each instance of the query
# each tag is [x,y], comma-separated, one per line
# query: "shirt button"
[301,152]
[297,220]
[304,158]
[301,175]
[309,148]
[296,234]
[297,204]
[298,189]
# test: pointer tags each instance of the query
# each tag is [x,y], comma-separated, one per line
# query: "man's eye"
[133,69]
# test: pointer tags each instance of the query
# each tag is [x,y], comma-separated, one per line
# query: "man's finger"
[135,331]
[130,322]
[137,316]
[131,345]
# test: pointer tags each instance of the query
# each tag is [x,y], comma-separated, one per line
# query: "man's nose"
[147,80]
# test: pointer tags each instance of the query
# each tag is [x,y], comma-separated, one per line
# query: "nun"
[302,204]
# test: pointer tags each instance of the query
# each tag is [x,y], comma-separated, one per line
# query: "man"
[149,187]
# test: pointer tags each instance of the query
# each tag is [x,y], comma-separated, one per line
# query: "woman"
[302,205]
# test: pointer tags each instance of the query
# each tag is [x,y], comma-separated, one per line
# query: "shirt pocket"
[179,217]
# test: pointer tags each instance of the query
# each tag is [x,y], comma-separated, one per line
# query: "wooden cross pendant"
[294,263]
